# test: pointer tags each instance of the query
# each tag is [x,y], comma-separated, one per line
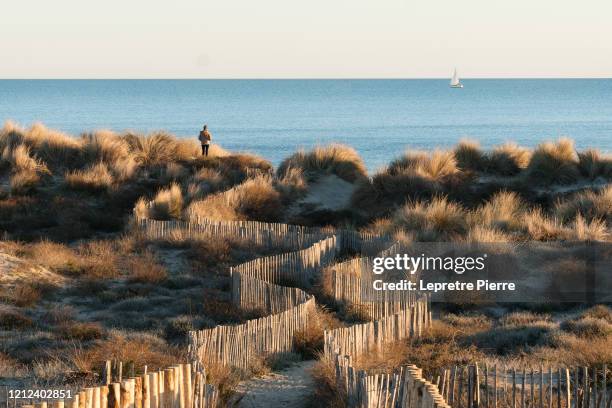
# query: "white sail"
[455,79]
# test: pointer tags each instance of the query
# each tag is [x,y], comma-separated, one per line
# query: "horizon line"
[282,78]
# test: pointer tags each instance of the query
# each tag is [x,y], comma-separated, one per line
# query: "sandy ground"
[327,193]
[291,388]
[14,270]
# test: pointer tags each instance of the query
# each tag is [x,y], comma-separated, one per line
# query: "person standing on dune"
[205,138]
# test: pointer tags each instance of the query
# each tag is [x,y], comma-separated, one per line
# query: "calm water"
[380,118]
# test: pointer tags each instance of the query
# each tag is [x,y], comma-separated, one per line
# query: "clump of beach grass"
[167,204]
[338,159]
[255,199]
[588,327]
[52,147]
[469,156]
[413,176]
[593,164]
[554,163]
[95,178]
[503,210]
[103,146]
[439,219]
[541,227]
[591,205]
[292,185]
[160,148]
[508,159]
[26,169]
[584,230]
[483,234]
[436,167]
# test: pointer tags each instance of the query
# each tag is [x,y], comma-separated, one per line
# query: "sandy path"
[291,388]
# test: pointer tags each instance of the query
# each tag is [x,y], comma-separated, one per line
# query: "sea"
[274,118]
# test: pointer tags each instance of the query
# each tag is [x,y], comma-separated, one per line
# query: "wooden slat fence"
[405,388]
[259,284]
[238,345]
[179,386]
[480,385]
[299,268]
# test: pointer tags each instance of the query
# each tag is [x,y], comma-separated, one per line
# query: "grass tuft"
[94,179]
[554,163]
[341,160]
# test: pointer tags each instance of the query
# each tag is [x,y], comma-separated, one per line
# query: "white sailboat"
[454,82]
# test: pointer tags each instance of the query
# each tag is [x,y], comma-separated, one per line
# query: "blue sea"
[273,118]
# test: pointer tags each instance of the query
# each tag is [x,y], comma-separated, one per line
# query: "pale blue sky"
[305,39]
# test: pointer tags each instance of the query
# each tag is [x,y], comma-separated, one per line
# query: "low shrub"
[178,328]
[326,385]
[160,148]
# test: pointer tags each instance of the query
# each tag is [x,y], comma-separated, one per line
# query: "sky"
[305,39]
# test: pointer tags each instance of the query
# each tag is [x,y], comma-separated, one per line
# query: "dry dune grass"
[508,159]
[103,146]
[27,170]
[50,146]
[292,185]
[59,150]
[505,217]
[591,205]
[341,160]
[95,178]
[584,230]
[469,156]
[167,204]
[438,220]
[160,148]
[484,234]
[414,176]
[255,199]
[141,349]
[593,164]
[89,260]
[554,163]
[437,166]
[503,210]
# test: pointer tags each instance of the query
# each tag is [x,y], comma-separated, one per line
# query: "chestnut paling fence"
[179,386]
[278,286]
[397,316]
[480,385]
